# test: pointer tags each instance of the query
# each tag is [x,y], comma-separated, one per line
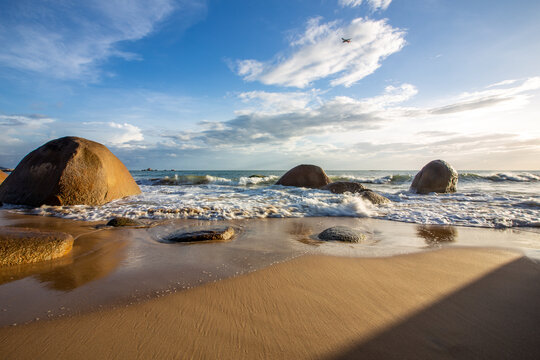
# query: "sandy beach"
[454,303]
[281,296]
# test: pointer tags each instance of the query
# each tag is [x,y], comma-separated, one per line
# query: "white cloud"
[70,39]
[119,135]
[319,53]
[276,102]
[128,133]
[374,4]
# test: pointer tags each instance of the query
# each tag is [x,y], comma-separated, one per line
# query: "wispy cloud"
[304,115]
[318,53]
[277,102]
[70,39]
[28,121]
[301,115]
[496,94]
[373,4]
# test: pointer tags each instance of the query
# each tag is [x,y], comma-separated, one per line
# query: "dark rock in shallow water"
[123,221]
[25,246]
[373,197]
[339,187]
[342,233]
[437,176]
[309,176]
[221,234]
[68,171]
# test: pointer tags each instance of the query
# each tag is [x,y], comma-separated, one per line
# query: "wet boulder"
[340,187]
[218,234]
[68,171]
[342,233]
[309,176]
[437,176]
[373,197]
[25,246]
[3,176]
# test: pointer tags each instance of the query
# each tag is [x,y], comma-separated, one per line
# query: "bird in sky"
[345,40]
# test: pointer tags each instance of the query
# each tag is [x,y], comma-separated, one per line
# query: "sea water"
[494,199]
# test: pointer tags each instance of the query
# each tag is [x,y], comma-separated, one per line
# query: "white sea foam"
[213,202]
[480,201]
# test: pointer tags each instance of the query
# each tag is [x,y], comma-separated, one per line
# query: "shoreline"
[428,304]
[111,267]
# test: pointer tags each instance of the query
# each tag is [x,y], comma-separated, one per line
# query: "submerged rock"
[342,233]
[437,176]
[25,246]
[340,187]
[373,197]
[221,234]
[3,176]
[68,171]
[123,221]
[309,176]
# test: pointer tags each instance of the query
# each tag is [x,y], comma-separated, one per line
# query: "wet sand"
[274,291]
[452,303]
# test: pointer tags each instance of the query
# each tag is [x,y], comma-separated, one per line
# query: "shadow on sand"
[484,320]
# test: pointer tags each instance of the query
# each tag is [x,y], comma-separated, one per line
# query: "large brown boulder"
[68,171]
[437,176]
[3,176]
[309,176]
[25,246]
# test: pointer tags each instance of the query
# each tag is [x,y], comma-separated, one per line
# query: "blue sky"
[269,84]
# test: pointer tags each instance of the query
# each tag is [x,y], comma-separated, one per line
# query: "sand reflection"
[97,258]
[94,256]
[436,234]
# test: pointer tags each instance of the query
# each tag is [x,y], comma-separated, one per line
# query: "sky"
[243,84]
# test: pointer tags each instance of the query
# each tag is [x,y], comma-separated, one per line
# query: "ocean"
[491,199]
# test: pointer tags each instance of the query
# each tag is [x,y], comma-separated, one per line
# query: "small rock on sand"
[24,246]
[220,234]
[123,221]
[342,233]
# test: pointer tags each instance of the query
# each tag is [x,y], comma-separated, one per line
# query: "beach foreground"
[450,303]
